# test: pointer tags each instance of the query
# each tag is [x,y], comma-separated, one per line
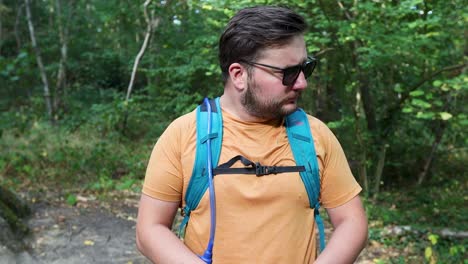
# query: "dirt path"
[92,231]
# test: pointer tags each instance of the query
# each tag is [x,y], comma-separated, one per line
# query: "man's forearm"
[161,245]
[345,244]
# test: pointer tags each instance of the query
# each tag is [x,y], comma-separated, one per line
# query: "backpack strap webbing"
[253,168]
[199,180]
[303,149]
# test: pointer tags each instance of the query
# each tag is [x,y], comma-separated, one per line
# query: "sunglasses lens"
[309,68]
[290,75]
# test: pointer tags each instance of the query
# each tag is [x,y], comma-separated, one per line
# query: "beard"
[267,109]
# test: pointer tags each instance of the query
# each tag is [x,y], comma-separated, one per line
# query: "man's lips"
[291,100]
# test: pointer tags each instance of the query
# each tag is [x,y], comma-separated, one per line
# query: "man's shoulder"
[317,124]
[320,130]
[184,122]
[180,130]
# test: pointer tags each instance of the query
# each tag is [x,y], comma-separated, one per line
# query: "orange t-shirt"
[259,219]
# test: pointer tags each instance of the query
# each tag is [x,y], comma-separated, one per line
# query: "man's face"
[265,96]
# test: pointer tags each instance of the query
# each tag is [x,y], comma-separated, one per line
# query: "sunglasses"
[290,74]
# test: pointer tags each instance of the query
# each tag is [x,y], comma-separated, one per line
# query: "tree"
[63,22]
[40,64]
[391,61]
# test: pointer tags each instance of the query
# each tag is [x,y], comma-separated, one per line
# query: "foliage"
[49,156]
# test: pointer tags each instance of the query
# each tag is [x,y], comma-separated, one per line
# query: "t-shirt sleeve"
[338,184]
[164,177]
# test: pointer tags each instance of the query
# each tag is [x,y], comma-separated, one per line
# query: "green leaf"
[207,7]
[445,115]
[335,124]
[127,184]
[445,87]
[453,250]
[407,110]
[425,115]
[420,103]
[71,199]
[433,238]
[437,83]
[428,253]
[417,93]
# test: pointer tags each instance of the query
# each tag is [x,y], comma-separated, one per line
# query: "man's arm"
[154,237]
[350,233]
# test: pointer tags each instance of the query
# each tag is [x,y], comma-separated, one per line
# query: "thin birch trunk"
[362,167]
[61,74]
[45,82]
[151,24]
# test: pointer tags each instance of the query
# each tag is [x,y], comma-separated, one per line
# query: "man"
[259,219]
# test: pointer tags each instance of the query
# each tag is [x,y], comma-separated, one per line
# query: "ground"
[92,231]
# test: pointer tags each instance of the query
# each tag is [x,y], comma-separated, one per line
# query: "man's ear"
[238,74]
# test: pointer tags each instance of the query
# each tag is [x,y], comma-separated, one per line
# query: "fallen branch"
[405,230]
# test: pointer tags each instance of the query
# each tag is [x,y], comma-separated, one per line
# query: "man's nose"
[301,82]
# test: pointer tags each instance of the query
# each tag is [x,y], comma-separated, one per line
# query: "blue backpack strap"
[302,145]
[199,180]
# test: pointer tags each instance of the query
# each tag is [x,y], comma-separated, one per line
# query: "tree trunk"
[362,163]
[45,82]
[363,171]
[427,164]
[17,21]
[12,209]
[151,24]
[367,102]
[61,74]
[379,169]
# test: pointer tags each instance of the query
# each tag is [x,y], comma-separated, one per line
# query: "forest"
[87,87]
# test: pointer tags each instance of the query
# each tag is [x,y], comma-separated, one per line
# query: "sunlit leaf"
[433,238]
[445,115]
[428,253]
[88,243]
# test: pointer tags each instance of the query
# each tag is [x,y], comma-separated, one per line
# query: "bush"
[50,155]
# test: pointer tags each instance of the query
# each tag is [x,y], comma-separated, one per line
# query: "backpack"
[300,140]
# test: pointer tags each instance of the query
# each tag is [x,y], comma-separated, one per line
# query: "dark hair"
[253,29]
